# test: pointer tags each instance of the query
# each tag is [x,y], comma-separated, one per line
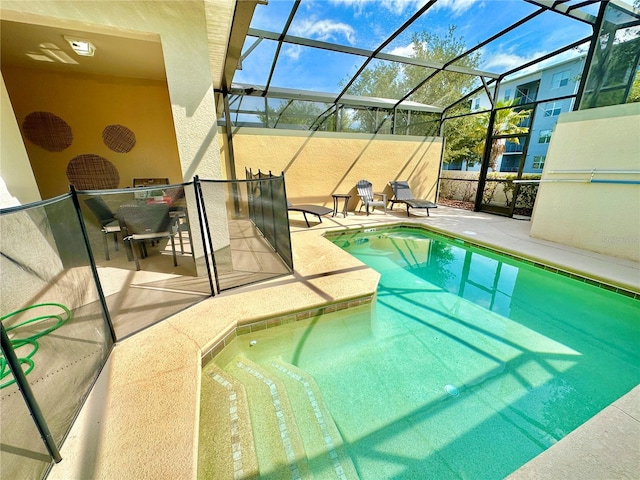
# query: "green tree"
[291,113]
[614,61]
[509,120]
[634,94]
[445,87]
[394,80]
[464,140]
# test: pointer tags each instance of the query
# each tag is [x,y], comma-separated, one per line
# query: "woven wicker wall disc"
[118,138]
[92,172]
[47,131]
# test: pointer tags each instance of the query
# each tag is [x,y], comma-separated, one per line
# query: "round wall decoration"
[118,138]
[47,131]
[92,172]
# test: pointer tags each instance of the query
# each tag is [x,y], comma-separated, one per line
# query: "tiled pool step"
[277,441]
[322,440]
[225,447]
[295,436]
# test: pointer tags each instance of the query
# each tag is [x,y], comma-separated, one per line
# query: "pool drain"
[451,390]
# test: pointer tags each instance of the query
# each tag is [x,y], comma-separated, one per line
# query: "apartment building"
[547,92]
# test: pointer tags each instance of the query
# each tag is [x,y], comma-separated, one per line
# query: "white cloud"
[398,7]
[395,6]
[292,51]
[406,51]
[324,30]
[357,5]
[457,7]
[507,61]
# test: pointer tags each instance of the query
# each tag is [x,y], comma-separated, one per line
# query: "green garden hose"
[32,340]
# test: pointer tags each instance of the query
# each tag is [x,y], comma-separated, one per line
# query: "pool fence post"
[27,394]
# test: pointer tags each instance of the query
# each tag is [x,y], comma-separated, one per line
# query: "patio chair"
[367,197]
[147,222]
[316,210]
[149,182]
[402,194]
[109,224]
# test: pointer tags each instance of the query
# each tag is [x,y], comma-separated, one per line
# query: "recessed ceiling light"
[82,47]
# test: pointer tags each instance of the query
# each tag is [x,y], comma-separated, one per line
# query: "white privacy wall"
[597,211]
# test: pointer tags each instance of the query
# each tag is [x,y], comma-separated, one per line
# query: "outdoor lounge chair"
[367,197]
[402,194]
[316,210]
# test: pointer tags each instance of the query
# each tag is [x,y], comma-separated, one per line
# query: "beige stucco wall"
[89,103]
[318,164]
[182,29]
[18,184]
[601,217]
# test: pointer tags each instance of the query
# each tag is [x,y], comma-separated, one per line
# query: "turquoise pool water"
[471,363]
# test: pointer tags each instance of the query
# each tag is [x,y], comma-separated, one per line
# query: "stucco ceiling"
[32,41]
[35,45]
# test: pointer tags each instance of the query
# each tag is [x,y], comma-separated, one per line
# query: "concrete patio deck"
[141,419]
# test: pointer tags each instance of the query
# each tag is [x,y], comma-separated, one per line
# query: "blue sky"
[367,23]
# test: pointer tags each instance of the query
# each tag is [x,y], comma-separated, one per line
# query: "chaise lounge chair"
[316,210]
[367,197]
[402,194]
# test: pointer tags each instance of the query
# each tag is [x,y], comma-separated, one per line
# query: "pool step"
[322,440]
[302,440]
[225,445]
[279,447]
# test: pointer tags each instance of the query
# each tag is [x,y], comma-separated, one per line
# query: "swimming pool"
[469,365]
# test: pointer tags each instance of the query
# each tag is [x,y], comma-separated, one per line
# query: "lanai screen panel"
[615,63]
[384,79]
[255,66]
[346,47]
[272,16]
[539,36]
[469,22]
[316,69]
[444,88]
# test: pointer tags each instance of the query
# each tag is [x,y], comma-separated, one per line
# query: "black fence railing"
[56,326]
[268,211]
[86,269]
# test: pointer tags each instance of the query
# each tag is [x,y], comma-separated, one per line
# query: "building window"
[545,136]
[523,94]
[477,104]
[552,109]
[560,79]
[513,147]
[507,94]
[538,161]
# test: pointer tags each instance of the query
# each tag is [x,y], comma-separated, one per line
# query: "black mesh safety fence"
[268,200]
[249,228]
[148,248]
[84,270]
[55,323]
